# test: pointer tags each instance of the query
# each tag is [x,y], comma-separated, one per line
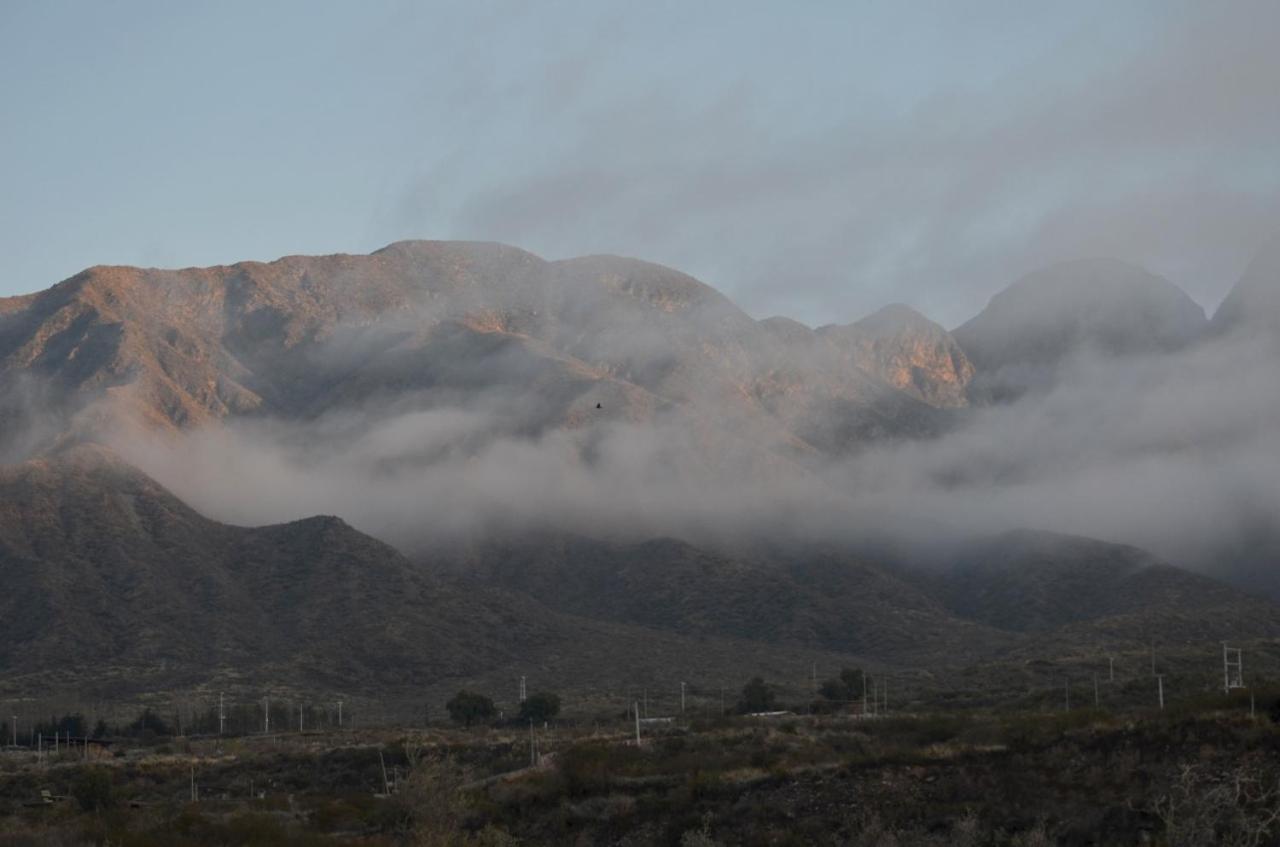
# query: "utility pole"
[266,715]
[339,714]
[1160,683]
[1232,668]
[222,715]
[299,717]
[637,706]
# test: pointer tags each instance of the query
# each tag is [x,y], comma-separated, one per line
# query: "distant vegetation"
[540,707]
[1019,779]
[757,696]
[468,707]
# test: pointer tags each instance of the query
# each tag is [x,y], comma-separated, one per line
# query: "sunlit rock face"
[559,345]
[909,352]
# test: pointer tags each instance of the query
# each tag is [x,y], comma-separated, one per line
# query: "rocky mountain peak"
[1099,306]
[903,348]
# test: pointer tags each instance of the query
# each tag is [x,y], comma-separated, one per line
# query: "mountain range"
[445,360]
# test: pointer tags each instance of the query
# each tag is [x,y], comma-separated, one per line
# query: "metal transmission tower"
[1232,668]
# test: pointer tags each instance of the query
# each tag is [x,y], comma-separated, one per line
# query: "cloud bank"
[1175,452]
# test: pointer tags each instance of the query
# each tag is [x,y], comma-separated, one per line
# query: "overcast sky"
[815,160]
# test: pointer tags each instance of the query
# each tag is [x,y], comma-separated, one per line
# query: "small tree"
[542,706]
[756,697]
[468,707]
[93,791]
[842,689]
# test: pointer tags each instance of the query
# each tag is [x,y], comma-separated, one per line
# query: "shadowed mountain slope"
[1098,306]
[114,585]
[841,604]
[1037,582]
[106,569]
[992,598]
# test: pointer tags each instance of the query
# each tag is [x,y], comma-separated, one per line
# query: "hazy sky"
[812,159]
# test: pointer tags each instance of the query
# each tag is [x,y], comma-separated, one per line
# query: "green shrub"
[93,790]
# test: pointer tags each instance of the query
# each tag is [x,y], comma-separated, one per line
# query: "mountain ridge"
[185,348]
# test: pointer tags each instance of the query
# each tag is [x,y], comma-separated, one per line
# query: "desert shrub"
[704,784]
[700,837]
[336,814]
[260,829]
[1205,806]
[588,768]
[603,809]
[935,730]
